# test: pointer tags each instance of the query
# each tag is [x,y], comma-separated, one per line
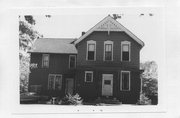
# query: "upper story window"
[72,61]
[91,50]
[45,60]
[125,81]
[108,50]
[125,51]
[55,82]
[88,76]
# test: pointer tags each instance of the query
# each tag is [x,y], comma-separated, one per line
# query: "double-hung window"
[125,51]
[72,61]
[88,76]
[91,50]
[125,81]
[54,82]
[45,60]
[108,50]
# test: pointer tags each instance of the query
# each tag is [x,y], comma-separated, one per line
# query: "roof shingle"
[54,45]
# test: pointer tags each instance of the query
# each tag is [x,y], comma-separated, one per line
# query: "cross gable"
[109,24]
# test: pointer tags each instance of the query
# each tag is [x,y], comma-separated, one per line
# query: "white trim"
[43,60]
[54,80]
[69,60]
[108,42]
[92,76]
[103,83]
[126,43]
[91,42]
[119,28]
[129,80]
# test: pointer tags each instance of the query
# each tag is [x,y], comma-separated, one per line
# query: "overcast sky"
[148,28]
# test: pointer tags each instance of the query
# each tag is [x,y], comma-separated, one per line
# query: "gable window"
[125,51]
[45,60]
[54,82]
[91,50]
[108,50]
[125,81]
[88,76]
[72,61]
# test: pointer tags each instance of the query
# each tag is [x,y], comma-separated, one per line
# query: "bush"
[71,100]
[144,100]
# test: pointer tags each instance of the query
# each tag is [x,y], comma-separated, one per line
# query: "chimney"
[83,33]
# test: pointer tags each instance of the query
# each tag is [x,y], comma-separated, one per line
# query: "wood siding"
[93,90]
[117,38]
[58,64]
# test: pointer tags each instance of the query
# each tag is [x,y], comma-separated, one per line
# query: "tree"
[149,78]
[27,36]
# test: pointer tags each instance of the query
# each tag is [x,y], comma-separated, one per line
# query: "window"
[88,76]
[72,61]
[45,60]
[125,81]
[108,50]
[91,50]
[125,51]
[55,82]
[107,82]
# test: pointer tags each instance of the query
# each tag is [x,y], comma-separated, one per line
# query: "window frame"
[129,45]
[108,43]
[43,55]
[129,89]
[53,88]
[91,72]
[87,50]
[70,61]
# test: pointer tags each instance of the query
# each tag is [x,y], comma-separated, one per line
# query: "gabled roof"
[54,45]
[109,24]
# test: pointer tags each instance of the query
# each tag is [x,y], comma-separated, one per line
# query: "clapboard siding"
[117,38]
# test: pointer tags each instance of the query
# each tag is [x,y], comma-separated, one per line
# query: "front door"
[107,84]
[69,86]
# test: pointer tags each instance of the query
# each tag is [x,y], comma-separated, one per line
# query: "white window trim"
[70,59]
[92,76]
[54,81]
[108,42]
[126,43]
[91,42]
[129,80]
[43,60]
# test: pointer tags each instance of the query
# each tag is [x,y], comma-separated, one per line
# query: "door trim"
[103,84]
[67,83]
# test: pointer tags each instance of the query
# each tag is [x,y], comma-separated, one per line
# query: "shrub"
[71,100]
[144,100]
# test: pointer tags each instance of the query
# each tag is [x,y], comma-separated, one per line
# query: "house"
[103,62]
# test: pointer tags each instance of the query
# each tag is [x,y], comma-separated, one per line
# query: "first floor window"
[54,82]
[45,60]
[125,81]
[88,76]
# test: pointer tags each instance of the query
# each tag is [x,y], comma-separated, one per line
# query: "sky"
[68,24]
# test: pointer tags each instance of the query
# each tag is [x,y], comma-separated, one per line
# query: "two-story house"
[104,61]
